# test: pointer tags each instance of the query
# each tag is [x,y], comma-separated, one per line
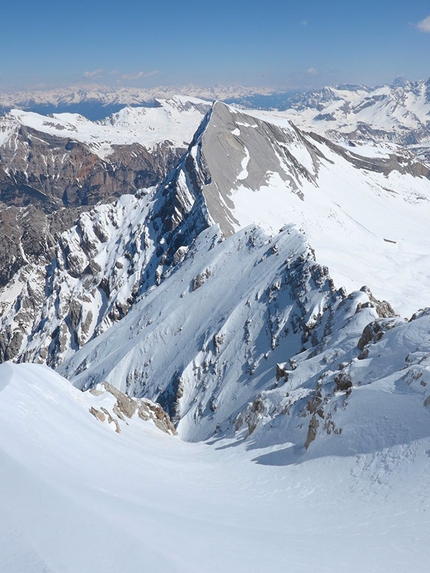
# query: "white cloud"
[132,75]
[424,25]
[138,75]
[94,74]
[312,71]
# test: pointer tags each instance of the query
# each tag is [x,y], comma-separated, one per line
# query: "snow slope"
[77,496]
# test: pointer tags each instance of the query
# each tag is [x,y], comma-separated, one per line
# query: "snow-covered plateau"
[226,379]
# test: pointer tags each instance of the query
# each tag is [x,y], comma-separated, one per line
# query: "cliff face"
[68,160]
[50,172]
[79,282]
[54,168]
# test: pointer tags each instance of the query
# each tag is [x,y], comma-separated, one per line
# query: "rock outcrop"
[125,408]
[50,172]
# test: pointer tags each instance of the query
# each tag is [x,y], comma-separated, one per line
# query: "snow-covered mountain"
[364,210]
[398,113]
[174,120]
[218,296]
[68,160]
[65,160]
[366,218]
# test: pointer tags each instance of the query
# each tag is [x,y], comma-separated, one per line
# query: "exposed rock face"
[53,274]
[50,172]
[383,308]
[372,333]
[126,408]
[30,235]
[232,149]
[28,242]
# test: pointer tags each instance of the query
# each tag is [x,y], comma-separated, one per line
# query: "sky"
[275,43]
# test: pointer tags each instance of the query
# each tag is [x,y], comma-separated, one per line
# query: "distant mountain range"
[97,102]
[396,113]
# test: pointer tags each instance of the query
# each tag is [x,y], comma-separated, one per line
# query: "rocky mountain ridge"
[67,160]
[323,389]
[53,168]
[238,171]
[208,339]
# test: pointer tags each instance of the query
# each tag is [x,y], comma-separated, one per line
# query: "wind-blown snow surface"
[76,496]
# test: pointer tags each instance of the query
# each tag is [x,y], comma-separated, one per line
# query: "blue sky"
[256,43]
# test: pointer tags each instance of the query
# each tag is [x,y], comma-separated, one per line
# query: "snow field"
[77,496]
